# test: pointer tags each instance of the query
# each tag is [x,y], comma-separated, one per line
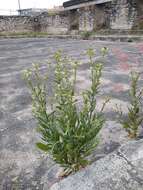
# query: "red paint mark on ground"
[116,50]
[118,87]
[123,56]
[124,66]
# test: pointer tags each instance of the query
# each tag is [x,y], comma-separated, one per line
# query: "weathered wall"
[86,18]
[102,16]
[139,4]
[123,14]
[55,24]
[138,24]
[94,17]
[118,15]
[16,24]
[74,21]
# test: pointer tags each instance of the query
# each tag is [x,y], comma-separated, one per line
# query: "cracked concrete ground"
[121,170]
[22,166]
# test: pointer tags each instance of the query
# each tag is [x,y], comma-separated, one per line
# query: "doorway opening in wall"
[74,20]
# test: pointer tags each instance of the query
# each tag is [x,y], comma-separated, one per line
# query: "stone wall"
[86,18]
[102,16]
[116,15]
[73,20]
[54,24]
[138,24]
[16,24]
[123,14]
[94,18]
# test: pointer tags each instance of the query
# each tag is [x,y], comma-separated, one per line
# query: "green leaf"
[42,146]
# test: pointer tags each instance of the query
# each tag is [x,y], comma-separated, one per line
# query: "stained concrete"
[22,166]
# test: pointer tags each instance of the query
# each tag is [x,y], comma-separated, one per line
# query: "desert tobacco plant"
[68,133]
[134,117]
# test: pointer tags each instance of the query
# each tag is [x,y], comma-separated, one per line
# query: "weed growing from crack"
[68,134]
[134,117]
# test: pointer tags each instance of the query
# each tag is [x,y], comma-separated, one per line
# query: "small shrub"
[86,35]
[134,117]
[68,134]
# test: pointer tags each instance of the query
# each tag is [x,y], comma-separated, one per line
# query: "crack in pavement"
[133,173]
